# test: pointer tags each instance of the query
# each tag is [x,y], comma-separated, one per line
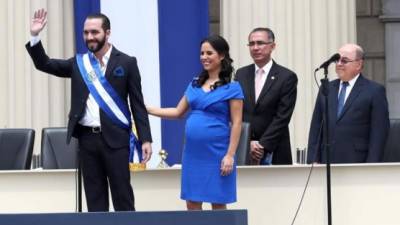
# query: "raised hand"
[38,22]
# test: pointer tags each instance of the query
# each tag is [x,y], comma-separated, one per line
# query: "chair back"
[16,148]
[392,149]
[243,148]
[55,152]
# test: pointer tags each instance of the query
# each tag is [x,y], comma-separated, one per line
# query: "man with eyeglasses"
[270,95]
[358,114]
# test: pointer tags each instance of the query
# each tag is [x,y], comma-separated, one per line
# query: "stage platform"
[366,194]
[228,217]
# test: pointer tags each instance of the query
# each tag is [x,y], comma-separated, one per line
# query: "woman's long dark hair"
[221,46]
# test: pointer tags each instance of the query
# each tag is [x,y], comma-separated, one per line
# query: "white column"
[29,98]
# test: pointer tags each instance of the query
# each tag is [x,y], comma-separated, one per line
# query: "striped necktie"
[341,98]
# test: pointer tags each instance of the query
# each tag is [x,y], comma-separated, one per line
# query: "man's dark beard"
[100,45]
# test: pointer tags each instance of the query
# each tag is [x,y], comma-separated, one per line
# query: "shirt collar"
[266,67]
[352,81]
[106,56]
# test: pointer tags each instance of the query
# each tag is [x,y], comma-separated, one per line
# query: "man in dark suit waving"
[101,82]
[270,95]
[358,114]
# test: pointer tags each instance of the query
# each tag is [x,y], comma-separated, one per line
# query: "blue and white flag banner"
[164,36]
[109,101]
[97,85]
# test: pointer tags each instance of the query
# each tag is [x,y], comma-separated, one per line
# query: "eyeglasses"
[259,43]
[345,61]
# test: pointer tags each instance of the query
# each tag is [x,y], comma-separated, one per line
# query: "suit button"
[83,101]
[76,115]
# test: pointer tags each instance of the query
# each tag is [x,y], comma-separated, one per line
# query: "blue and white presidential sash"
[108,99]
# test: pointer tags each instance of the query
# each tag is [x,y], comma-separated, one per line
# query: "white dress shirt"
[266,68]
[91,117]
[349,87]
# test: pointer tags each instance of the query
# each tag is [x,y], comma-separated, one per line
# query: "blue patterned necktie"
[341,98]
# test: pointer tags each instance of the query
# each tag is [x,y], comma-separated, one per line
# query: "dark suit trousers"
[102,165]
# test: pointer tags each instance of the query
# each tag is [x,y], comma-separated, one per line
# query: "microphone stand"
[78,180]
[326,142]
[79,186]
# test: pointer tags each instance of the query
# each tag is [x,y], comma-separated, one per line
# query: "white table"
[361,193]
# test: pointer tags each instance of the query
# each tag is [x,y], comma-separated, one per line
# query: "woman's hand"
[150,109]
[227,165]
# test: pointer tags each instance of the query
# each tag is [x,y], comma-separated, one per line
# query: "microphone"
[332,59]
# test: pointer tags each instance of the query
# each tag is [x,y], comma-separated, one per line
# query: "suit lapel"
[112,62]
[333,99]
[250,83]
[271,79]
[355,91]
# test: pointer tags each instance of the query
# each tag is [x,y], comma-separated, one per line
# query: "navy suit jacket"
[269,117]
[359,133]
[125,83]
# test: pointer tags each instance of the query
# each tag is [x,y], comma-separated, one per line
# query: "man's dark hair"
[271,35]
[106,22]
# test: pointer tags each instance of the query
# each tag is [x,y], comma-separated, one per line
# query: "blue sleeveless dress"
[207,135]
